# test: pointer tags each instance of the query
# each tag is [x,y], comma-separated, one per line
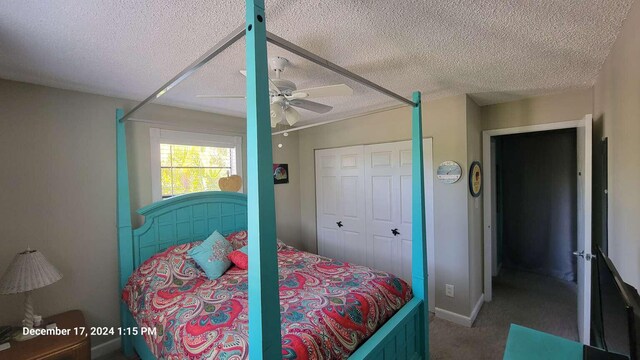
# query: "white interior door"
[388,209]
[340,204]
[584,144]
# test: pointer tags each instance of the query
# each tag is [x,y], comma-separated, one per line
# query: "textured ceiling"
[496,50]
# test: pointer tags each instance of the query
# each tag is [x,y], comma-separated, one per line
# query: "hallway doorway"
[538,214]
[536,203]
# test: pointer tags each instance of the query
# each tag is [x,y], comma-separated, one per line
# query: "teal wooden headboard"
[187,218]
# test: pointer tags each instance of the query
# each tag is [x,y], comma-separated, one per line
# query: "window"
[183,162]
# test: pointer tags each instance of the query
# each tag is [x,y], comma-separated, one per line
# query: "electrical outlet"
[448,288]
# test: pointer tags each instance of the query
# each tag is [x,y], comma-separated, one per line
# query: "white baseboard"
[476,309]
[461,319]
[453,317]
[105,348]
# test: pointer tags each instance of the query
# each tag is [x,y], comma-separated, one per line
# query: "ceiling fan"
[285,95]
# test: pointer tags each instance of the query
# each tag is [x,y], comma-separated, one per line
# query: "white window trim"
[162,136]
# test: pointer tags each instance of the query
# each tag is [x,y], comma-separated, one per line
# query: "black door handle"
[339,223]
[395,232]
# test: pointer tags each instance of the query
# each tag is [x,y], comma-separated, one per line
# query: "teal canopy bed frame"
[192,217]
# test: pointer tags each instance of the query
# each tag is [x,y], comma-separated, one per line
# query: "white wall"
[288,195]
[617,116]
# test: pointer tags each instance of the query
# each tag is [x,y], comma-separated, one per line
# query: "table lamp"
[28,271]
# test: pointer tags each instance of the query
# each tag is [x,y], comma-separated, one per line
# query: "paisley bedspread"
[328,308]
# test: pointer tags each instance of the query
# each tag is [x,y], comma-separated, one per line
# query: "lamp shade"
[28,271]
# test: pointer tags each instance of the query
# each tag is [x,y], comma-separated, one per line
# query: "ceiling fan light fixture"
[276,114]
[291,115]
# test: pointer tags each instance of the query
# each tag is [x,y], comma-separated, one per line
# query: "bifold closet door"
[388,207]
[387,175]
[363,207]
[340,204]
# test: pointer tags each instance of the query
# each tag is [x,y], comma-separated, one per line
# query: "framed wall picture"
[280,173]
[475,179]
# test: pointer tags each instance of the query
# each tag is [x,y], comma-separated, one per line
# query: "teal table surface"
[528,344]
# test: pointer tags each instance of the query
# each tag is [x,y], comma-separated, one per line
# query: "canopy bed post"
[264,296]
[123,223]
[418,230]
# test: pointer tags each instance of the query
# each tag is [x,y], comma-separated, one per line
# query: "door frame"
[487,158]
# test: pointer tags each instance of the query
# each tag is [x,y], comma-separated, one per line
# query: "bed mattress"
[328,308]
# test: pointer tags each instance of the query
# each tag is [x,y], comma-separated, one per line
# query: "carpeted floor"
[532,300]
[539,302]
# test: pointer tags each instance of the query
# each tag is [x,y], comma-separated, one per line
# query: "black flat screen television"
[619,311]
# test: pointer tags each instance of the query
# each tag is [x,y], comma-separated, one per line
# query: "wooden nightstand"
[49,347]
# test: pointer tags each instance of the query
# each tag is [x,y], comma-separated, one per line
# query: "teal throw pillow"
[212,254]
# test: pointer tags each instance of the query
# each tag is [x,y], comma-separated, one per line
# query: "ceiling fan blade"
[291,115]
[323,91]
[221,96]
[272,85]
[311,106]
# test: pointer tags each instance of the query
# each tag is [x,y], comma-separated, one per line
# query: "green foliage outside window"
[185,169]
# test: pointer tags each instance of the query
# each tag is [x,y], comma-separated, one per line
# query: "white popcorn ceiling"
[496,50]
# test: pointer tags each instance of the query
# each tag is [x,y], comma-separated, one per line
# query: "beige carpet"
[535,301]
[531,300]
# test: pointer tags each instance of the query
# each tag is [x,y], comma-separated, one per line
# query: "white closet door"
[340,204]
[367,189]
[388,207]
